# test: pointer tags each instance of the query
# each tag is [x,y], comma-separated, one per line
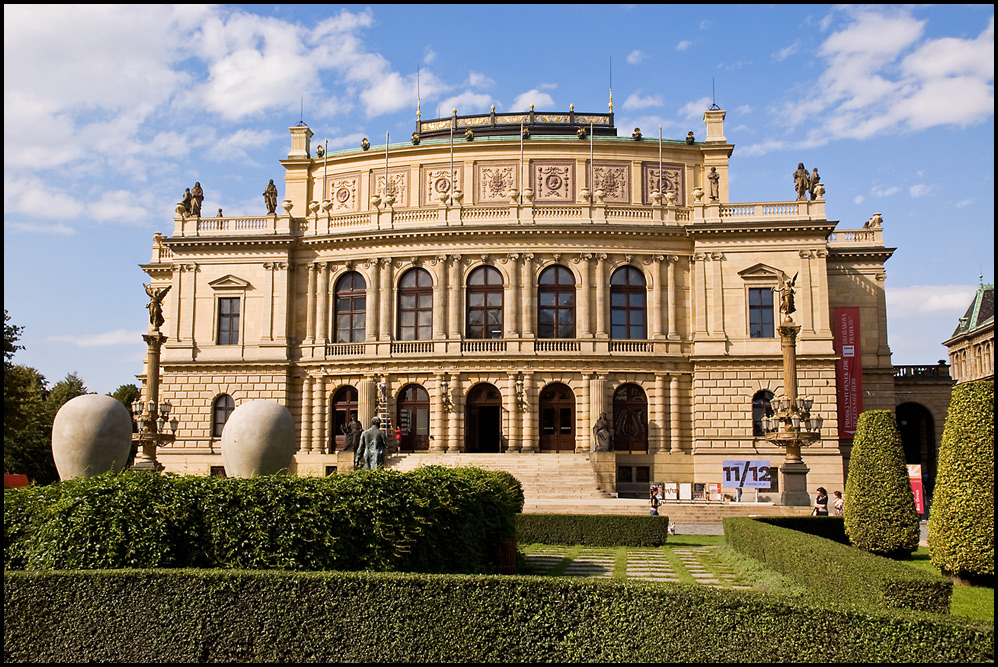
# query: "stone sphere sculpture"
[258,439]
[91,434]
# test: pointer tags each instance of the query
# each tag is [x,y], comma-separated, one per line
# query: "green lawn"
[723,567]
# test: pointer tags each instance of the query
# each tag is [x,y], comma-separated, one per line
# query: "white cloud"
[885,190]
[858,199]
[636,101]
[684,45]
[466,103]
[695,109]
[786,52]
[541,101]
[964,202]
[935,300]
[919,190]
[479,80]
[111,338]
[636,56]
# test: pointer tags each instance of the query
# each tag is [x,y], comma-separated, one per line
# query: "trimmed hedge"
[592,530]
[290,617]
[836,573]
[962,522]
[433,519]
[880,516]
[829,527]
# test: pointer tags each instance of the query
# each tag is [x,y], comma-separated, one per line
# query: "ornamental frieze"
[397,186]
[343,194]
[438,182]
[615,181]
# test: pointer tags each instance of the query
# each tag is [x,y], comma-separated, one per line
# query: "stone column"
[511,299]
[310,305]
[318,414]
[306,414]
[661,442]
[371,310]
[823,324]
[716,296]
[386,300]
[528,416]
[585,310]
[322,317]
[367,400]
[674,445]
[700,295]
[807,307]
[601,298]
[672,298]
[527,296]
[509,407]
[454,304]
[455,435]
[438,416]
[654,298]
[440,295]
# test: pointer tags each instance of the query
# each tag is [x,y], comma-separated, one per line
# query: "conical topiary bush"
[962,519]
[880,515]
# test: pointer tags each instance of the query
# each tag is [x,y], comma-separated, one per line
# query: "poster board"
[714,491]
[685,491]
[699,491]
[670,491]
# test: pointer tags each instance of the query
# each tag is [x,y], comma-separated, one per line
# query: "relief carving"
[671,179]
[397,186]
[343,194]
[553,181]
[614,181]
[437,182]
[493,182]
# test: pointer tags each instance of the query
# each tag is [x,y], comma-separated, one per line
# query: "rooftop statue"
[197,196]
[802,182]
[186,201]
[270,198]
[815,182]
[715,180]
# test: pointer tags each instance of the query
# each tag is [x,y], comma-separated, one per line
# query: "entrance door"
[344,409]
[630,419]
[483,420]
[557,408]
[413,419]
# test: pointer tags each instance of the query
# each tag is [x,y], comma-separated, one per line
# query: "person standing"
[838,504]
[820,503]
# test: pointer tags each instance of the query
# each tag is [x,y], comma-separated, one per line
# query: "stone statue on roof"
[802,182]
[270,198]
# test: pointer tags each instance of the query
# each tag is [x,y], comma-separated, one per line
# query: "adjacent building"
[499,282]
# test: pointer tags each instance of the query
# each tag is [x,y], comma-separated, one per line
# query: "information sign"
[746,474]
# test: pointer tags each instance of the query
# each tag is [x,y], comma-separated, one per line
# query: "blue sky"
[110,112]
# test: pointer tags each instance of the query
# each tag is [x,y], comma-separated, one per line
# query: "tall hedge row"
[962,522]
[431,520]
[880,516]
[838,574]
[178,616]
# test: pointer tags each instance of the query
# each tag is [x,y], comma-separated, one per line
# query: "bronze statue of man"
[270,197]
[371,450]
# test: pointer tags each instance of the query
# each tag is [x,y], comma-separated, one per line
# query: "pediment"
[761,272]
[229,282]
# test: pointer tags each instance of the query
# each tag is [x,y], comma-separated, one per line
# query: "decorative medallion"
[553,180]
[343,193]
[437,181]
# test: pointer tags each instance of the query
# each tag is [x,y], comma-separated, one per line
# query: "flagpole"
[521,164]
[325,160]
[386,164]
[660,159]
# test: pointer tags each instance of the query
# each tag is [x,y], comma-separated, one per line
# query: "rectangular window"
[761,313]
[228,321]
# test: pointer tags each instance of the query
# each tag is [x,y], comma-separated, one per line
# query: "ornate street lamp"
[791,425]
[152,417]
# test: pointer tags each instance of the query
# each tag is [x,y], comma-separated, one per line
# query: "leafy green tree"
[126,394]
[962,521]
[27,425]
[880,515]
[11,334]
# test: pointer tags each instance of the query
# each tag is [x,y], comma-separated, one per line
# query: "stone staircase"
[559,478]
[566,484]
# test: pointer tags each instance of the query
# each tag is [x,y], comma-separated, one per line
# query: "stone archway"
[483,419]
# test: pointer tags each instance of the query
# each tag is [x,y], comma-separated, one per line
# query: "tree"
[880,515]
[27,425]
[126,394]
[11,334]
[962,521]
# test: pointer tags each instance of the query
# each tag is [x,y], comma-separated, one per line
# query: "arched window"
[627,304]
[222,408]
[630,419]
[415,305]
[413,418]
[484,297]
[351,308]
[344,409]
[761,408]
[556,303]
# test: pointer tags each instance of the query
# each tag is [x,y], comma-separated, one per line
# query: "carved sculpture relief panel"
[553,180]
[615,181]
[672,180]
[493,180]
[343,193]
[438,180]
[398,185]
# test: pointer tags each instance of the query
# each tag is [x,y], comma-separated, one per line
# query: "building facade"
[972,345]
[500,282]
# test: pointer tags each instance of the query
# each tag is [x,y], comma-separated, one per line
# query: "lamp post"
[791,425]
[151,416]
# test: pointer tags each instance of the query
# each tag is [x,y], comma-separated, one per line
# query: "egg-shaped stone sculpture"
[258,439]
[91,434]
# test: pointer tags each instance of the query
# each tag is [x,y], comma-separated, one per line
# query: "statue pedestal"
[794,485]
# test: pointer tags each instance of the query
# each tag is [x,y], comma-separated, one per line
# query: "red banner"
[848,370]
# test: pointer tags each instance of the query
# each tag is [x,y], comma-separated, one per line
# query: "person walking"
[838,504]
[820,503]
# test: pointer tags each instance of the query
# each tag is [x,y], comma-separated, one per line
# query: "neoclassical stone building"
[500,281]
